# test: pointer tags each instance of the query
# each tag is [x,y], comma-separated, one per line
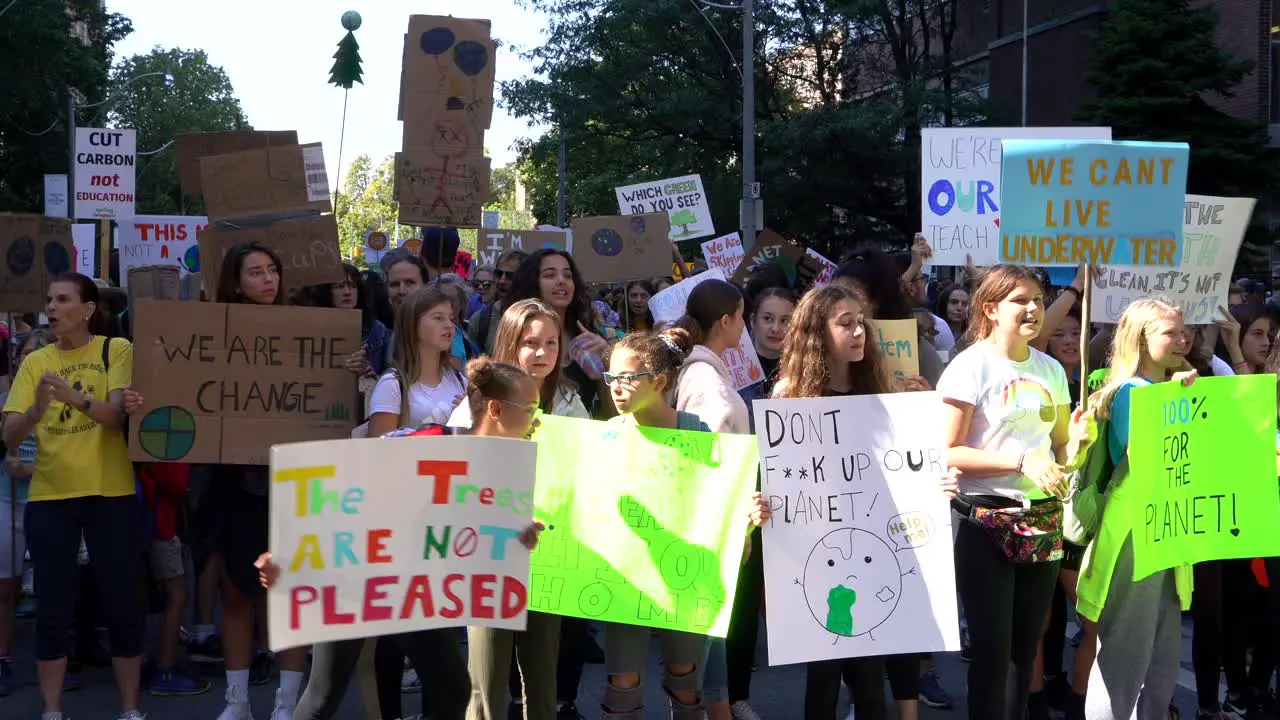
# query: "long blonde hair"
[803,371]
[1129,348]
[506,345]
[404,355]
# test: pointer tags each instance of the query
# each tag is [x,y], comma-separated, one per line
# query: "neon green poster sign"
[1203,472]
[644,526]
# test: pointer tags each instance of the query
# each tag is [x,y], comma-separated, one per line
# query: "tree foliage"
[49,46]
[200,99]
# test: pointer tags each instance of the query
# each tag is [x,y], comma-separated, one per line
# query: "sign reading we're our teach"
[222,383]
[431,540]
[1103,203]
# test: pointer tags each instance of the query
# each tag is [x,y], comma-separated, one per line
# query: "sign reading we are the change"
[660,543]
[429,541]
[1102,203]
[1202,473]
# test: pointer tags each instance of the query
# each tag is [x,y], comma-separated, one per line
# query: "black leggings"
[575,642]
[435,654]
[903,672]
[865,678]
[1005,604]
[744,623]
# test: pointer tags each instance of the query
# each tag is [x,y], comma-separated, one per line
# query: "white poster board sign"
[1212,230]
[858,556]
[160,240]
[960,187]
[741,360]
[682,199]
[55,196]
[84,237]
[104,170]
[428,541]
[724,253]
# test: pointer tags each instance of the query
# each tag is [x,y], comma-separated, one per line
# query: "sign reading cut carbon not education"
[104,170]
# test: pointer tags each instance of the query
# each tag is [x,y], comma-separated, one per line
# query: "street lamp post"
[750,188]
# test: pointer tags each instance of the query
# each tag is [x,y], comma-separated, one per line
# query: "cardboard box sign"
[615,248]
[308,250]
[35,249]
[491,244]
[154,282]
[773,248]
[449,133]
[193,146]
[262,182]
[432,191]
[451,59]
[223,383]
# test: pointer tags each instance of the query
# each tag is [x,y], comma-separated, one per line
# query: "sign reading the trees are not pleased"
[682,199]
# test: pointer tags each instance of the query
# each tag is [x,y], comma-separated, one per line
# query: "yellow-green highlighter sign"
[1203,472]
[644,526]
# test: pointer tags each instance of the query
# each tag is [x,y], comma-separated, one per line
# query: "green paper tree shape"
[346,70]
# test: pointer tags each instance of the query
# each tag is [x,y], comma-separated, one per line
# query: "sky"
[277,54]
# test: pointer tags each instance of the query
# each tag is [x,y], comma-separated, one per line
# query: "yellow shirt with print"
[75,456]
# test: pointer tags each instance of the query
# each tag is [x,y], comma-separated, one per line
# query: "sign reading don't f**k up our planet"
[223,383]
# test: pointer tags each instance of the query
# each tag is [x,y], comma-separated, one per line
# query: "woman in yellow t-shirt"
[70,395]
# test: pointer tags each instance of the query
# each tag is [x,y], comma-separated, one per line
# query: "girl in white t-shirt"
[1006,414]
[420,366]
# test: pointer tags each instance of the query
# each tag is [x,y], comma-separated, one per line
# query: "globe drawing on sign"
[852,582]
[21,256]
[191,259]
[638,224]
[607,242]
[56,259]
[167,433]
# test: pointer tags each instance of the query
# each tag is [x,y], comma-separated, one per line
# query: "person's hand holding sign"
[529,536]
[268,571]
[132,401]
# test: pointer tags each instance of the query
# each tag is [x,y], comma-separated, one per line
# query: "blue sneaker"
[176,682]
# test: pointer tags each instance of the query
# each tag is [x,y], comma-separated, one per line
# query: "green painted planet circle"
[167,433]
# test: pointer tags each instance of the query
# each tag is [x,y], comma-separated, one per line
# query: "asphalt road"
[777,692]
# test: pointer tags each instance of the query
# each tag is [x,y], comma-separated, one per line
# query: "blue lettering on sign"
[945,195]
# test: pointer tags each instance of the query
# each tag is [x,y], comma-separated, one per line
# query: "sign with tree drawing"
[681,198]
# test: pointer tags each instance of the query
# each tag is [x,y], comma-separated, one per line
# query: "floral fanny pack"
[1024,535]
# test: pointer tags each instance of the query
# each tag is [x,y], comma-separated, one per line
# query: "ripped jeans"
[626,650]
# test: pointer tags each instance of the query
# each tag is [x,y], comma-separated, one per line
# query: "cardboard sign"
[434,530]
[153,282]
[1201,482]
[723,253]
[161,240]
[35,249]
[899,345]
[660,544]
[682,199]
[434,192]
[617,248]
[449,65]
[105,170]
[491,244]
[190,147]
[1212,230]
[308,250]
[960,186]
[857,557]
[223,383]
[1109,204]
[266,181]
[773,248]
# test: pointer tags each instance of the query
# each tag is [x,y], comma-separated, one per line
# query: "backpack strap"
[404,396]
[106,355]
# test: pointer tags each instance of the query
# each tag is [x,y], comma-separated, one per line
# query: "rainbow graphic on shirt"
[1028,393]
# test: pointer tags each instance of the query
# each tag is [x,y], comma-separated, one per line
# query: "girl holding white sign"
[1006,410]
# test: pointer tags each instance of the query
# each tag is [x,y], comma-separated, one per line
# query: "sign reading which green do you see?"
[1202,472]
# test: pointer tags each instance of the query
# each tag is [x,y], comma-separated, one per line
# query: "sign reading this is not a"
[105,173]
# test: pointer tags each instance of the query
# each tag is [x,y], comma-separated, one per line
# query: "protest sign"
[307,246]
[960,186]
[270,181]
[660,543]
[899,344]
[154,282]
[84,238]
[681,198]
[741,360]
[160,240]
[223,383]
[35,249]
[773,248]
[104,170]
[491,244]
[617,249]
[56,203]
[828,268]
[1068,203]
[190,147]
[435,190]
[429,541]
[449,64]
[858,557]
[723,253]
[491,220]
[1212,230]
[1202,472]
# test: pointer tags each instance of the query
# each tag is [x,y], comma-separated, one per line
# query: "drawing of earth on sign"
[191,259]
[167,433]
[852,582]
[56,259]
[607,242]
[21,256]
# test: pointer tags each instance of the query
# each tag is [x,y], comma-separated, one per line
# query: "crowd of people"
[482,350]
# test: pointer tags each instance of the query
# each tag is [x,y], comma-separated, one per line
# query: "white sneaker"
[409,680]
[742,710]
[132,715]
[282,711]
[237,705]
